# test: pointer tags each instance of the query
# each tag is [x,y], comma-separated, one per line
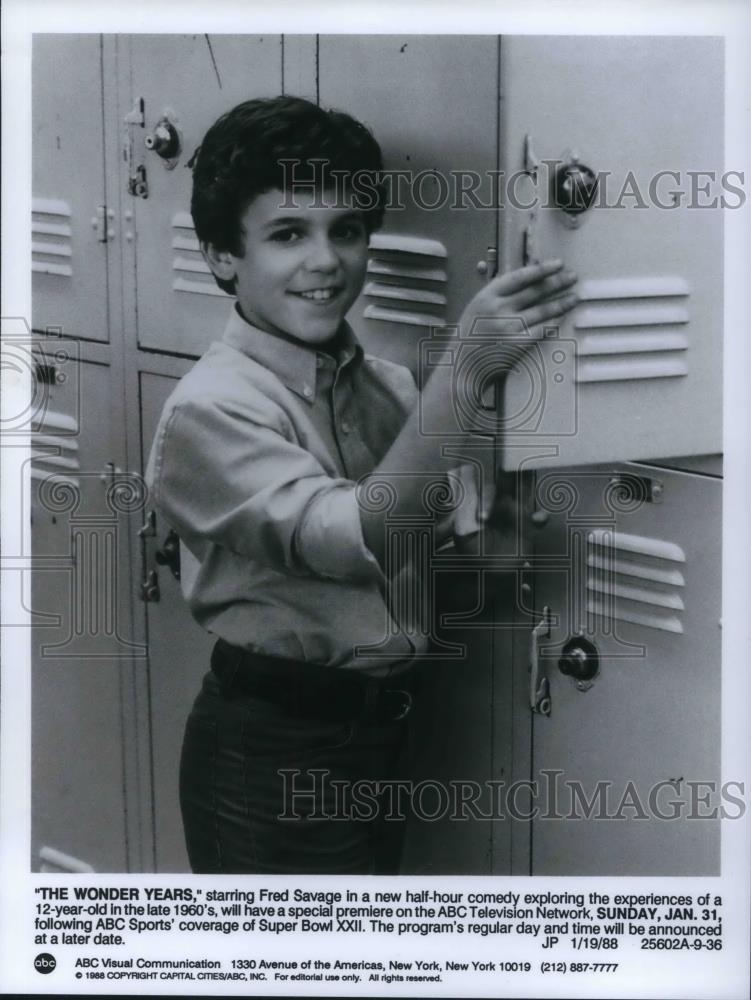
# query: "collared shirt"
[255,462]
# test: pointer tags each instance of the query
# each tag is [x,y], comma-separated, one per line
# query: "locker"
[180,307]
[460,736]
[635,371]
[179,652]
[82,647]
[71,216]
[627,574]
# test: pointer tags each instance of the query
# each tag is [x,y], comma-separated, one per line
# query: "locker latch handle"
[539,687]
[165,141]
[149,588]
[574,186]
[169,554]
[580,661]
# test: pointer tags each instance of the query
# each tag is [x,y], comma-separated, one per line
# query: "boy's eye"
[286,235]
[353,230]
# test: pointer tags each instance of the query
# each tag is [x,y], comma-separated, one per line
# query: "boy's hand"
[536,294]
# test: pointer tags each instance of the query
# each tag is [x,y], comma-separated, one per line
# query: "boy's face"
[303,266]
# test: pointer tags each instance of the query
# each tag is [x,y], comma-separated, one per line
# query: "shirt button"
[307,391]
[346,427]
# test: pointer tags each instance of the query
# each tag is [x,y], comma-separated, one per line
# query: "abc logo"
[45,963]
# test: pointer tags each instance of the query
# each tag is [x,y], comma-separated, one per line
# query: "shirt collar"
[293,362]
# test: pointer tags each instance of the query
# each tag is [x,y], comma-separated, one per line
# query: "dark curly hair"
[252,149]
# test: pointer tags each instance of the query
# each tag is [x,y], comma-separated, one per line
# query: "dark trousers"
[265,791]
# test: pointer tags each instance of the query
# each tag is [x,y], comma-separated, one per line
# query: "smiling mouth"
[319,294]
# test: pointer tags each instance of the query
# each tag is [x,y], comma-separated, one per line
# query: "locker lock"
[574,186]
[165,142]
[581,661]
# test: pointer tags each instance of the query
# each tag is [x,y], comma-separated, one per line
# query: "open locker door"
[635,371]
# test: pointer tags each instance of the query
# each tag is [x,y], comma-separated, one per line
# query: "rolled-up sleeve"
[231,478]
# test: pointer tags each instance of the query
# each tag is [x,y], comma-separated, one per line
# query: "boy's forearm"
[412,456]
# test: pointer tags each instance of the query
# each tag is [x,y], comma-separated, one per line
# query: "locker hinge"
[138,115]
[488,265]
[539,686]
[531,160]
[101,223]
[530,250]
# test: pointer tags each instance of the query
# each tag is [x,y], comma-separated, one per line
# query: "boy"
[267,460]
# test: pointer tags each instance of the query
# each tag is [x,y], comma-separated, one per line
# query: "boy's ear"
[221,262]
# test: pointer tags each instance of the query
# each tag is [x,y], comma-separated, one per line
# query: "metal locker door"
[432,103]
[182,83]
[629,657]
[461,732]
[635,370]
[82,648]
[179,651]
[70,221]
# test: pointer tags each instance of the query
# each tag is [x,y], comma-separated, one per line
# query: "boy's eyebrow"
[303,219]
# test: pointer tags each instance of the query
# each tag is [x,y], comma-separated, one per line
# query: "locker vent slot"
[51,248]
[632,578]
[54,448]
[632,329]
[192,273]
[52,860]
[409,280]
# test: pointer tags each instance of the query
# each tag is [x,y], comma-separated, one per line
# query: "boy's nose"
[322,256]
